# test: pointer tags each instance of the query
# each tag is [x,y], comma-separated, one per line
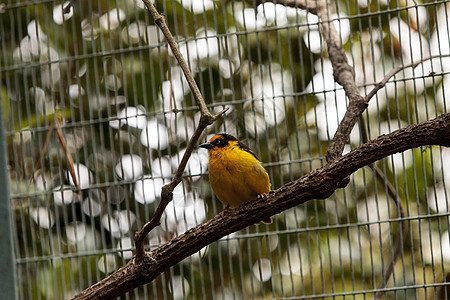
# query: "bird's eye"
[219,143]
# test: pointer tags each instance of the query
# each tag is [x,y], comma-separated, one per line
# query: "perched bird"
[235,173]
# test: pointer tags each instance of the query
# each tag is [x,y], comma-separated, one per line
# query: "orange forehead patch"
[217,136]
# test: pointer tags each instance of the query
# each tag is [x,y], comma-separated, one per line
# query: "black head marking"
[222,140]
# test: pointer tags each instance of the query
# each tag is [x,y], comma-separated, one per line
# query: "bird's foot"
[261,195]
[225,210]
[269,219]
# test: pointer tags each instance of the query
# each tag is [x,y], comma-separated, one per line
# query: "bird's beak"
[207,145]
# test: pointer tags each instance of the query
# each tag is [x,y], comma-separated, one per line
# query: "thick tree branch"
[206,119]
[318,184]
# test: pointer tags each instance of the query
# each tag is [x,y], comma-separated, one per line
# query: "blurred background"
[90,90]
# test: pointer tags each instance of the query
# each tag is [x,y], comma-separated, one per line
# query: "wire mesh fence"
[97,115]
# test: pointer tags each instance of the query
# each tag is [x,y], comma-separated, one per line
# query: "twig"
[381,177]
[71,168]
[160,21]
[401,234]
[394,71]
[206,119]
[44,148]
[62,142]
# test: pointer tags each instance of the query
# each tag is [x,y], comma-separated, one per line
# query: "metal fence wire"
[93,85]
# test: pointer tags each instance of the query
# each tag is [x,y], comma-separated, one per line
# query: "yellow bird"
[235,173]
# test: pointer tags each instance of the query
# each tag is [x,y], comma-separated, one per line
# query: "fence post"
[7,273]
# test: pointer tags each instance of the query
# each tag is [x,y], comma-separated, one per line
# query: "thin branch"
[381,177]
[394,71]
[206,119]
[70,162]
[401,234]
[342,71]
[44,148]
[160,21]
[318,184]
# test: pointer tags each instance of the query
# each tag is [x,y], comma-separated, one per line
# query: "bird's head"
[220,141]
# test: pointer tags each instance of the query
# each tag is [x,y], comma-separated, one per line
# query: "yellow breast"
[236,176]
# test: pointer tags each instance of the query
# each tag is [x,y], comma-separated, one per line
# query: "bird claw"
[261,195]
[225,210]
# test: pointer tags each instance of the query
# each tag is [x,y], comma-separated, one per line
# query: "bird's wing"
[246,148]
